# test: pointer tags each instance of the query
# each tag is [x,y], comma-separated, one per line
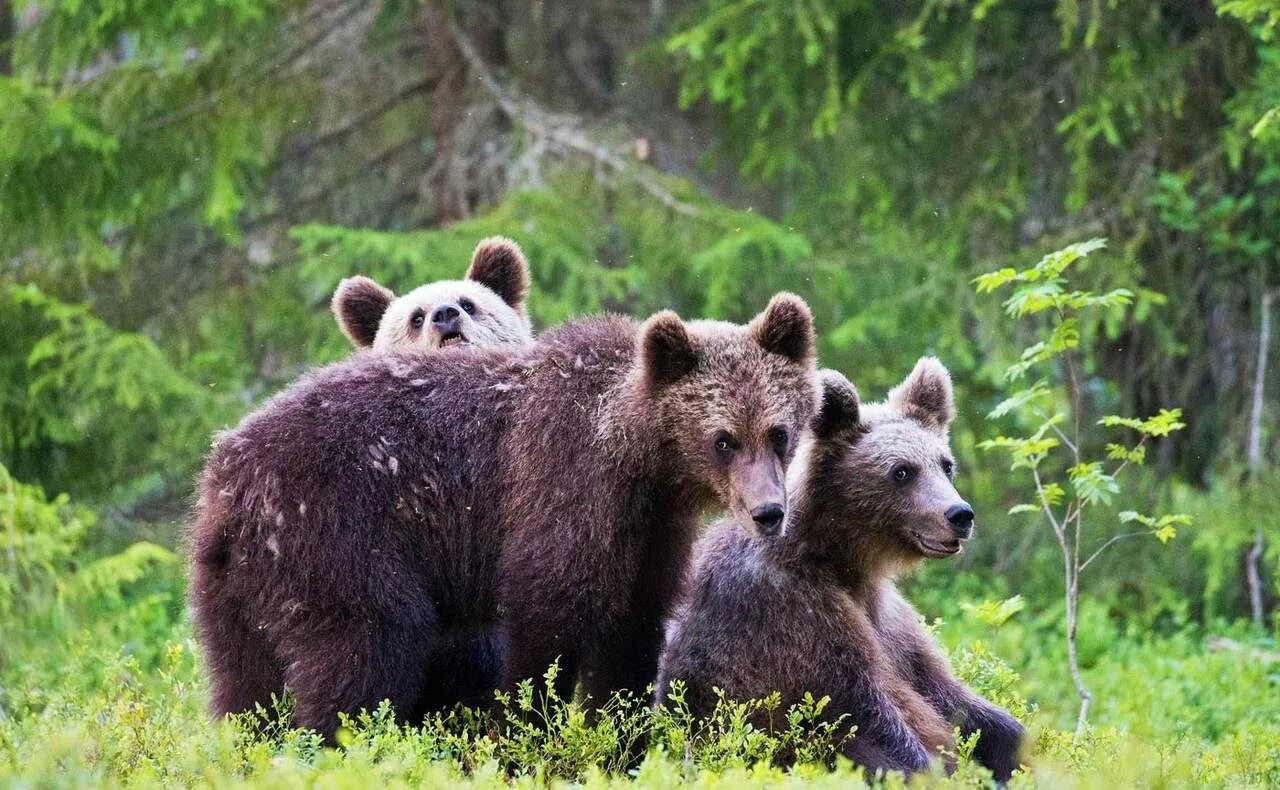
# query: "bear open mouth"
[937,548]
[453,339]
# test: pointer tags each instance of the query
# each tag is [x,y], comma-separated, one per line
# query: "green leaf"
[1019,399]
[994,613]
[1118,452]
[1055,263]
[1052,494]
[1163,424]
[1164,529]
[1092,485]
[1111,421]
[1066,336]
[986,283]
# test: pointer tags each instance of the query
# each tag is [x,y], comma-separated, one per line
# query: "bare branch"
[561,131]
[1116,472]
[1057,530]
[358,122]
[1065,439]
[344,14]
[1253,455]
[1104,546]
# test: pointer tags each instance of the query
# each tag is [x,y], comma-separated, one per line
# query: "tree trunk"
[1071,585]
[1253,456]
[6,37]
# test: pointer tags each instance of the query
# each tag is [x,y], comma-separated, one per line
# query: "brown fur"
[816,609]
[422,527]
[485,309]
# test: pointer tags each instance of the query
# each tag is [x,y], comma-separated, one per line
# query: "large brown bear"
[413,527]
[815,609]
[484,309]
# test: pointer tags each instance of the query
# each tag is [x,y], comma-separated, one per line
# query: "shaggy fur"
[414,527]
[816,608]
[485,309]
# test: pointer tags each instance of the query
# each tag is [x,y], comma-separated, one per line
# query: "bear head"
[729,401]
[884,471]
[484,309]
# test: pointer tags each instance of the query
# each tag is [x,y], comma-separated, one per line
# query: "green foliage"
[182,185]
[995,613]
[89,401]
[83,703]
[1043,289]
[56,592]
[40,539]
[88,146]
[47,141]
[573,232]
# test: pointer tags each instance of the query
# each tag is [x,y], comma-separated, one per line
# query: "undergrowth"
[101,685]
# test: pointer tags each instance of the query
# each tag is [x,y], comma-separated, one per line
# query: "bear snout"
[960,516]
[447,319]
[768,518]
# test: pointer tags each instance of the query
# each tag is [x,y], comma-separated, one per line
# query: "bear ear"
[358,304]
[785,327]
[838,414]
[926,394]
[499,265]
[666,350]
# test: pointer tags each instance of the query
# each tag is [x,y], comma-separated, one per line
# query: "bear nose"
[445,318]
[961,518]
[768,518]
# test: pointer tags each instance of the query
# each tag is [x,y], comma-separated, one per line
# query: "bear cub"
[815,609]
[484,309]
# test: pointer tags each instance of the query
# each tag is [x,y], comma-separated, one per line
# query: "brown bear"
[485,309]
[415,527]
[816,610]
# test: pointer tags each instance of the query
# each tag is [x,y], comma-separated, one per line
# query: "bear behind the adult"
[486,308]
[386,515]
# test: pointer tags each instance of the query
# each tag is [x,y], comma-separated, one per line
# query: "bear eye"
[903,474]
[724,444]
[417,318]
[468,306]
[779,438]
[948,467]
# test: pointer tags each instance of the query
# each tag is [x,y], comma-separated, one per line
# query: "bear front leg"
[899,730]
[1000,739]
[883,741]
[626,661]
[530,652]
[874,757]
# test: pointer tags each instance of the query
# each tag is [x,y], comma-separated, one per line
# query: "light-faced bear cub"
[362,535]
[484,309]
[815,609]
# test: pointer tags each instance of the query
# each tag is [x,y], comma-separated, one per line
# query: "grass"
[106,690]
[100,685]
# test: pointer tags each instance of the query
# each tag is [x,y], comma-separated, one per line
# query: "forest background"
[183,183]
